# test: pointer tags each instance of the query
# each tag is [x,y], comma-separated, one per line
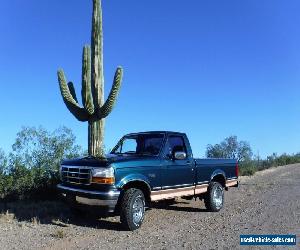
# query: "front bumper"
[107,199]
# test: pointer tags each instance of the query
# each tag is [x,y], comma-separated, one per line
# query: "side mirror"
[179,155]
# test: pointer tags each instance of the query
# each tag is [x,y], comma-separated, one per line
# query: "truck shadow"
[59,214]
[54,213]
[90,222]
[177,206]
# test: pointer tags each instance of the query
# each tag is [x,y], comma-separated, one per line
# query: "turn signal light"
[103,180]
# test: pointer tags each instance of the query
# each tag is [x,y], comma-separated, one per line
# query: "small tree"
[38,148]
[33,164]
[230,148]
[3,166]
[3,162]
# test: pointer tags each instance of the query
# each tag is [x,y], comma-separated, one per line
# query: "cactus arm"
[111,100]
[71,104]
[72,91]
[86,91]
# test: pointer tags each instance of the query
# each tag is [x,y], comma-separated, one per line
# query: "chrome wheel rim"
[218,196]
[138,209]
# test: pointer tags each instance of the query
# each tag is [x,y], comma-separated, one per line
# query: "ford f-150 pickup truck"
[143,168]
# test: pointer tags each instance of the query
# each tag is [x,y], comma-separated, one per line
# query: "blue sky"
[208,68]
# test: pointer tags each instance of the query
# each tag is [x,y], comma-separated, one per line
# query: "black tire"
[132,209]
[214,198]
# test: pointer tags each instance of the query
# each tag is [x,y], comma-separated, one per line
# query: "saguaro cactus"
[94,109]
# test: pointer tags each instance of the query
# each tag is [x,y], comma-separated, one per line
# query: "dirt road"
[267,203]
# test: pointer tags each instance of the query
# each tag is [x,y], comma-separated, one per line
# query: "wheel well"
[140,185]
[219,178]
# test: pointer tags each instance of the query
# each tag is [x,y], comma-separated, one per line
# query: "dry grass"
[35,221]
[60,223]
[7,216]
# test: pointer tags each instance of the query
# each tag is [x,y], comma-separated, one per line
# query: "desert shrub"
[3,166]
[31,169]
[247,168]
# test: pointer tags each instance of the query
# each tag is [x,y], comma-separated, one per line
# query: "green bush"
[31,169]
[247,168]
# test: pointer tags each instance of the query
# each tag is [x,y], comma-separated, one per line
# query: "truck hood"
[110,158]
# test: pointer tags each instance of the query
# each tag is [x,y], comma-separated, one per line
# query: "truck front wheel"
[132,209]
[214,198]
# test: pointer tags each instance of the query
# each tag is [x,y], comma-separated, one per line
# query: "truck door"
[177,173]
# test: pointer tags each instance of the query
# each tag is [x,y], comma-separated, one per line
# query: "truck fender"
[218,172]
[132,178]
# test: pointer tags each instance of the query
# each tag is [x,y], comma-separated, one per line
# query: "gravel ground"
[267,203]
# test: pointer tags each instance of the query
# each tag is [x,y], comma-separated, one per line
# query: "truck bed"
[207,168]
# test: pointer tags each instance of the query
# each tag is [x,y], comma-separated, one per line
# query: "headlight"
[103,175]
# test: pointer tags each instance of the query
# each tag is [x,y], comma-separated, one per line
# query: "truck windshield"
[140,144]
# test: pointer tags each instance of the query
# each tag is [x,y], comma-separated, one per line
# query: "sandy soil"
[267,203]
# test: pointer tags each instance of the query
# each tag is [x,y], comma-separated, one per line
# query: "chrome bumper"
[96,198]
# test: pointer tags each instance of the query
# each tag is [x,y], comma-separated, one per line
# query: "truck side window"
[174,144]
[152,145]
[129,146]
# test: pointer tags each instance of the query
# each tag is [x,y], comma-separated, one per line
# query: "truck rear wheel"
[132,209]
[214,198]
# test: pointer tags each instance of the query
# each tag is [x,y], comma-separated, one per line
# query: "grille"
[76,175]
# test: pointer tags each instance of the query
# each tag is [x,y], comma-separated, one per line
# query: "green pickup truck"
[143,168]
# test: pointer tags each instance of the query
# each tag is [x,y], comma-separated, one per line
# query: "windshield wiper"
[145,153]
[116,153]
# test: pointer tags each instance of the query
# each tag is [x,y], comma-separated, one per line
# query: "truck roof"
[157,132]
